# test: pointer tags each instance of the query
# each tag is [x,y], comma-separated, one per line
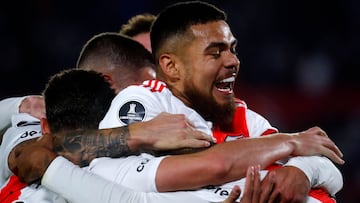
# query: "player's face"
[211,67]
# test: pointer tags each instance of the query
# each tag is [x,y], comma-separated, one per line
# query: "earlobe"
[45,128]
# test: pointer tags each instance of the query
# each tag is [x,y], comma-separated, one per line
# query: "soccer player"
[77,100]
[245,150]
[74,87]
[196,59]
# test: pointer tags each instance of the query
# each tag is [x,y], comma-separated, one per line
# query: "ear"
[45,128]
[110,79]
[169,66]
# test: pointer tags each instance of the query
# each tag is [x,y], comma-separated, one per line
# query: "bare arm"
[81,147]
[164,132]
[228,161]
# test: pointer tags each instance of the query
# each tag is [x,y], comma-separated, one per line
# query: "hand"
[252,189]
[315,141]
[234,195]
[285,184]
[33,105]
[169,131]
[32,159]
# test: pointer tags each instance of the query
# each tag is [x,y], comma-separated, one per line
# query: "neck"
[180,95]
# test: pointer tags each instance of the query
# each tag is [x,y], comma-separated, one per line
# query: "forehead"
[217,31]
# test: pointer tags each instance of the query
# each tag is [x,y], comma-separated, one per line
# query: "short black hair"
[116,49]
[76,99]
[176,19]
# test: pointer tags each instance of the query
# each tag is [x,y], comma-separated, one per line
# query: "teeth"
[228,90]
[230,79]
[228,87]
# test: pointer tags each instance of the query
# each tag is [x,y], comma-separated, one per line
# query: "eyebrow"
[220,45]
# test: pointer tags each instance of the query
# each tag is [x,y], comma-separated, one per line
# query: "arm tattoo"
[82,146]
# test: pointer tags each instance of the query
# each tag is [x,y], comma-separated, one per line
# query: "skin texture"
[215,163]
[33,105]
[228,161]
[193,73]
[81,146]
[223,167]
[215,51]
[213,46]
[252,190]
[212,41]
[144,39]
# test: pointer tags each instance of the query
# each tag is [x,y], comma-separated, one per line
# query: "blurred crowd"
[298,58]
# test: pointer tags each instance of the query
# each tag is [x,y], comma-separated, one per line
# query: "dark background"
[299,58]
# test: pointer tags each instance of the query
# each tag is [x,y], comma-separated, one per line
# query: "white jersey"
[24,127]
[139,103]
[8,107]
[143,102]
[79,186]
[17,192]
[134,172]
[145,166]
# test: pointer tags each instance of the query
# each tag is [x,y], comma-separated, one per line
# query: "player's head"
[138,28]
[76,99]
[172,26]
[194,49]
[121,59]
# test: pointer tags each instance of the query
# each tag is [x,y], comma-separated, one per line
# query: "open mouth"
[226,85]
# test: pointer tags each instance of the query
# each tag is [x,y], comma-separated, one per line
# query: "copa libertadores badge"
[131,112]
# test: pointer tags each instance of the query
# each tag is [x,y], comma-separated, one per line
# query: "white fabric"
[8,107]
[320,171]
[257,124]
[24,127]
[69,181]
[135,172]
[322,174]
[38,194]
[155,98]
[79,186]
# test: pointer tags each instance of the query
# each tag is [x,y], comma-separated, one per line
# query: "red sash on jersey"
[12,190]
[239,129]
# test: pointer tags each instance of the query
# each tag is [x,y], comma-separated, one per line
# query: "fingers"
[331,151]
[202,136]
[234,195]
[193,143]
[317,130]
[316,139]
[330,144]
[252,189]
[333,156]
[257,185]
[268,184]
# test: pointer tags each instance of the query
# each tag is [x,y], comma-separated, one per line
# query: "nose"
[232,62]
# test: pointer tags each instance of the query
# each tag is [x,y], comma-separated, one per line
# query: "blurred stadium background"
[299,58]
